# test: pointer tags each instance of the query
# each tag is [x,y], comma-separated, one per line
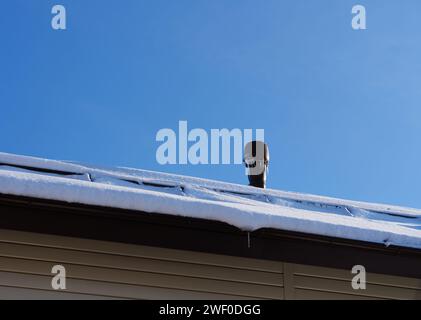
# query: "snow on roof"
[245,207]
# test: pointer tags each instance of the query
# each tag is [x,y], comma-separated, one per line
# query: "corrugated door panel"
[139,251]
[142,278]
[139,264]
[116,290]
[303,294]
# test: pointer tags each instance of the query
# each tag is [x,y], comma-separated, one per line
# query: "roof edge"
[126,226]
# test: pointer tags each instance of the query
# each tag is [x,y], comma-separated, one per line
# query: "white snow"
[244,207]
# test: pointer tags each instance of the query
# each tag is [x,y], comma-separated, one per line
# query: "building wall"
[311,282]
[100,269]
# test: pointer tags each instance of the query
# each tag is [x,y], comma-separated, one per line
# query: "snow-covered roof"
[245,207]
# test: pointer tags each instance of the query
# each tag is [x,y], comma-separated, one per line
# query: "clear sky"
[341,108]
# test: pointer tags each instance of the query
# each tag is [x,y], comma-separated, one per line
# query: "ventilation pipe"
[256,160]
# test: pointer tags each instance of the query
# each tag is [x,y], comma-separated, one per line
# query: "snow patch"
[244,207]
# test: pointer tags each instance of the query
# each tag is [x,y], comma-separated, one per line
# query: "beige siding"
[107,270]
[310,282]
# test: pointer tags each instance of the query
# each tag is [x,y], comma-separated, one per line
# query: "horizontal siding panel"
[305,294]
[139,251]
[117,270]
[143,278]
[372,278]
[30,281]
[139,264]
[13,293]
[343,286]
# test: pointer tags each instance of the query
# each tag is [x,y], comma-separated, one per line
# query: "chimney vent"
[256,160]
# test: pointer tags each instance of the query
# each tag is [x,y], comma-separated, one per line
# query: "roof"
[244,207]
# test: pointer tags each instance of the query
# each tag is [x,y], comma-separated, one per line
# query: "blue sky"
[341,108]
